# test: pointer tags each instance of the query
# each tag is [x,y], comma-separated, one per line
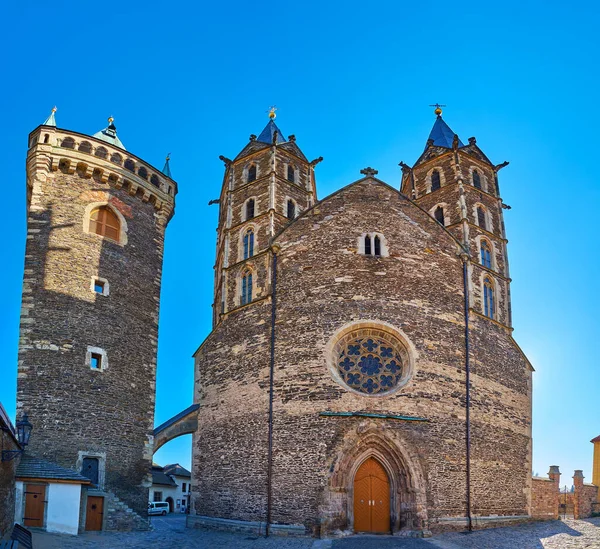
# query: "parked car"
[158,508]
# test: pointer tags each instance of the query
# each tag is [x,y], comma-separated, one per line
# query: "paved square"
[170,532]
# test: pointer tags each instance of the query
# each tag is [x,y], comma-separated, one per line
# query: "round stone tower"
[96,220]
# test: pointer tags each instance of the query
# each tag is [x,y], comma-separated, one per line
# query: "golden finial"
[438,109]
[271,112]
[168,157]
[54,109]
[110,120]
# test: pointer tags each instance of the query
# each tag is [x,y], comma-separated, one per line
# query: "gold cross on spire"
[438,108]
[271,112]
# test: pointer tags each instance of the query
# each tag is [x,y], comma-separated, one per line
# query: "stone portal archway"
[408,508]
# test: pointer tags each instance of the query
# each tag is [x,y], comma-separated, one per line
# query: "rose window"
[371,361]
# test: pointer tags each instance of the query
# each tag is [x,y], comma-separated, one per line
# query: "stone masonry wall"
[108,413]
[544,498]
[324,285]
[7,480]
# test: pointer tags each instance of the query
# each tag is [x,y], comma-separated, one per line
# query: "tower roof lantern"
[109,134]
[441,135]
[51,121]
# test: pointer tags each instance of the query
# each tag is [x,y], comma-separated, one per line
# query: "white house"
[171,484]
[48,496]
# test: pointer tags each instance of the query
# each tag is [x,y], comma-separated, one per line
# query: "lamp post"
[24,428]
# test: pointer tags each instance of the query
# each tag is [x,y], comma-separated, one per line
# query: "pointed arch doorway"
[372,498]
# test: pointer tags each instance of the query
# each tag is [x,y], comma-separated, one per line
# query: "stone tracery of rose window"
[371,361]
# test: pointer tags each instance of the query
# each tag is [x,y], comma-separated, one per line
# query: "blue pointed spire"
[51,121]
[266,136]
[442,135]
[167,168]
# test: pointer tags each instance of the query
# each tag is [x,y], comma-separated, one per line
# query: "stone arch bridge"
[184,423]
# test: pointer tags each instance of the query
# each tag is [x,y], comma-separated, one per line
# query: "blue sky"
[353,82]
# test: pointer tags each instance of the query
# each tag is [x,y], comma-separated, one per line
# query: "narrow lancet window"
[476,179]
[377,245]
[439,215]
[486,254]
[249,244]
[252,173]
[488,298]
[367,245]
[246,288]
[481,221]
[291,209]
[291,173]
[250,209]
[435,180]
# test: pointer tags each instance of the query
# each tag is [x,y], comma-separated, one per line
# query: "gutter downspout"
[271,377]
[468,395]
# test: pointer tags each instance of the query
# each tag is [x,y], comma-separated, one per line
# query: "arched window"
[291,209]
[250,209]
[476,179]
[104,221]
[130,165]
[481,220]
[488,298]
[435,180]
[101,152]
[486,254]
[249,244]
[116,159]
[377,245]
[68,143]
[246,288]
[291,173]
[439,215]
[154,180]
[85,147]
[368,245]
[252,173]
[143,172]
[46,138]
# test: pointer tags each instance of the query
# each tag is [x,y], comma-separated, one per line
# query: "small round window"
[371,361]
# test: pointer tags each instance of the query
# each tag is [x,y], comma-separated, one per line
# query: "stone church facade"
[333,386]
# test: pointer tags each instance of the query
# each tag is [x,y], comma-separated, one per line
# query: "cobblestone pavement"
[556,534]
[170,532]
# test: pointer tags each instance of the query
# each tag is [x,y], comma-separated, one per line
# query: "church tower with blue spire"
[268,184]
[458,185]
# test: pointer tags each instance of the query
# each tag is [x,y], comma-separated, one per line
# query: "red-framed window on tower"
[104,222]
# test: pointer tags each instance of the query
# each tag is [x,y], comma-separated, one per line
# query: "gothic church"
[361,374]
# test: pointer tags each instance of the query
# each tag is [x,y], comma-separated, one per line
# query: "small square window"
[99,287]
[96,361]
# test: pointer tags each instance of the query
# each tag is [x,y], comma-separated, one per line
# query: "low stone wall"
[583,497]
[245,526]
[8,469]
[544,498]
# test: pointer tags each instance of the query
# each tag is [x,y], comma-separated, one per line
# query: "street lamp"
[24,428]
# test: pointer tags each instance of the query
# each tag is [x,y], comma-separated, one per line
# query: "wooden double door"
[372,498]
